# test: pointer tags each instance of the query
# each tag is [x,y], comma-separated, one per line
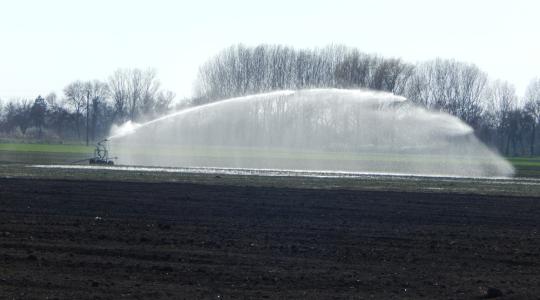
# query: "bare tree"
[134,92]
[96,93]
[450,86]
[532,108]
[8,117]
[149,87]
[2,117]
[75,94]
[59,119]
[355,70]
[18,114]
[240,70]
[502,101]
[38,113]
[163,102]
[118,87]
[135,78]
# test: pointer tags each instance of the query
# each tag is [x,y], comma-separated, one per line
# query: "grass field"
[16,158]
[526,166]
[50,148]
[11,153]
[23,153]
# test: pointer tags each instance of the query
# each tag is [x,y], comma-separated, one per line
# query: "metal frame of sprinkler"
[101,155]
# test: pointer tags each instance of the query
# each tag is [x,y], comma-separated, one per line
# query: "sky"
[45,45]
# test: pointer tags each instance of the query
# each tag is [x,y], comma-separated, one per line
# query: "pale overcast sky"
[47,44]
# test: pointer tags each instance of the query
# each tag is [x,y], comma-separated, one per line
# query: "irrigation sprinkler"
[101,155]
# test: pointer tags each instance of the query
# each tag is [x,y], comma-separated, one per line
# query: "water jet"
[316,129]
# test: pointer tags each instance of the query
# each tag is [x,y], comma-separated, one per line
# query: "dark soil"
[114,240]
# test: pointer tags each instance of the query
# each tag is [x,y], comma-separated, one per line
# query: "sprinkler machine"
[101,155]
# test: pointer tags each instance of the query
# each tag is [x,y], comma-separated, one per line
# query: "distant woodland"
[86,110]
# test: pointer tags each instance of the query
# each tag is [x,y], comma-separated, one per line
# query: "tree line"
[492,108]
[87,109]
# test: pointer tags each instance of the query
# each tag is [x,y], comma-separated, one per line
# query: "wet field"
[518,186]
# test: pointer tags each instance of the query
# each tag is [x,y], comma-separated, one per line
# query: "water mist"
[318,129]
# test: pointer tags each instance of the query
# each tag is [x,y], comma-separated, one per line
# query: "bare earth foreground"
[71,239]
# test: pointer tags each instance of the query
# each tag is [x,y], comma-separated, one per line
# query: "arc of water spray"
[131,127]
[347,130]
